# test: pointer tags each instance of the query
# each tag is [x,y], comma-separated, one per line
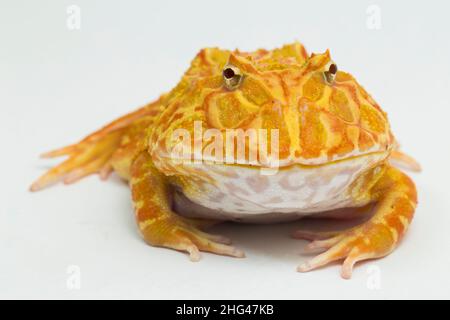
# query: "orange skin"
[320,120]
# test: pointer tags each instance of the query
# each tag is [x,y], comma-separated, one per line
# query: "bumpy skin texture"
[321,122]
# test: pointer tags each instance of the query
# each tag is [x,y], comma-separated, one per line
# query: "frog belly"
[233,192]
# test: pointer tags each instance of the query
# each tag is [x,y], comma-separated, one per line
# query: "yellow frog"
[330,149]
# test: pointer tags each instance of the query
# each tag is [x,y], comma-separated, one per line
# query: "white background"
[57,85]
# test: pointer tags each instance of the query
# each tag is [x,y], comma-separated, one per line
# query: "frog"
[334,150]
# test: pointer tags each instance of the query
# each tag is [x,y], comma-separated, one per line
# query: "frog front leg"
[396,198]
[159,225]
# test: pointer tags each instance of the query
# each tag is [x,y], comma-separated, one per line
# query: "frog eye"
[232,77]
[330,72]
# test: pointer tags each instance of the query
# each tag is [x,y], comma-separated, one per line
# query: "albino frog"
[331,150]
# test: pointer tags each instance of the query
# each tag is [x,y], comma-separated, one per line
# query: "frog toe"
[209,243]
[351,246]
[85,158]
[321,245]
[216,237]
[194,241]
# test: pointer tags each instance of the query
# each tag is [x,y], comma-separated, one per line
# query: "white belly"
[242,193]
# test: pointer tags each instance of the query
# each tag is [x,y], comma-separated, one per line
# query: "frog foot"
[182,236]
[396,199]
[160,225]
[86,157]
[353,245]
[93,153]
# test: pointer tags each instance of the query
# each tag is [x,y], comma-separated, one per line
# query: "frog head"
[320,113]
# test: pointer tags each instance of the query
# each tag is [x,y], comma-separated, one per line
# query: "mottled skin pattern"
[323,116]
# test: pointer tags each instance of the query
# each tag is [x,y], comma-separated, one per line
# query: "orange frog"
[332,150]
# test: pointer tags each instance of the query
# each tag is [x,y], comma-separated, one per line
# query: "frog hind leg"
[396,198]
[159,225]
[404,160]
[94,153]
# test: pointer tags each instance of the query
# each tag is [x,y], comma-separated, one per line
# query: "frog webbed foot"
[160,226]
[354,245]
[185,237]
[89,156]
[396,199]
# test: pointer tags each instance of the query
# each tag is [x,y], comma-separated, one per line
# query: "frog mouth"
[265,161]
[271,168]
[261,148]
